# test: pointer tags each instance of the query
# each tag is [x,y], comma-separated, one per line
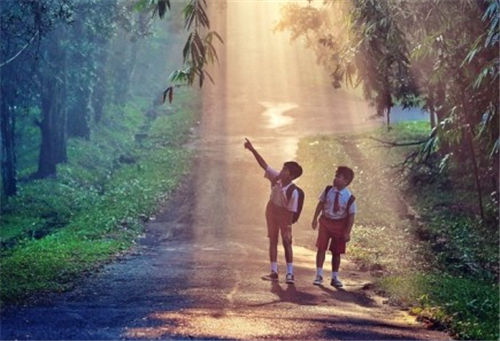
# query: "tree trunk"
[78,115]
[477,179]
[80,84]
[432,115]
[8,153]
[470,142]
[388,117]
[98,98]
[52,128]
[431,107]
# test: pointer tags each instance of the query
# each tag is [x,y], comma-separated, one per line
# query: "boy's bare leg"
[288,252]
[335,263]
[273,252]
[273,255]
[335,271]
[287,245]
[320,258]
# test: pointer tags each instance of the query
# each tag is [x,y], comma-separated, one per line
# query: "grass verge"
[56,230]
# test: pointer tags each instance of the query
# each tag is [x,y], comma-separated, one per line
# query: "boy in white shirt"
[279,211]
[337,208]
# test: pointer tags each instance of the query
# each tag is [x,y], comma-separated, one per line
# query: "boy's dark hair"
[346,172]
[294,168]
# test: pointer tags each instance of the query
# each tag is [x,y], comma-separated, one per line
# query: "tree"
[53,123]
[464,78]
[87,45]
[51,54]
[382,56]
[411,51]
[358,39]
[23,25]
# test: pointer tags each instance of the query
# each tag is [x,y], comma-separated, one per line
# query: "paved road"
[196,273]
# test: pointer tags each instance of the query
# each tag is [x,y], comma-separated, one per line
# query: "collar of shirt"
[281,185]
[342,191]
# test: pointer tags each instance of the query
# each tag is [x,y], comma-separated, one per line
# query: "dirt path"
[196,273]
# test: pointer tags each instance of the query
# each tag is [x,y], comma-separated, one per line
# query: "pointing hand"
[248,145]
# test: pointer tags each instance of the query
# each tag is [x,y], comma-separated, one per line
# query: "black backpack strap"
[327,189]
[349,203]
[289,191]
[300,202]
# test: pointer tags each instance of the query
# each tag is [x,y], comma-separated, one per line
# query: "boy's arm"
[262,163]
[319,209]
[350,224]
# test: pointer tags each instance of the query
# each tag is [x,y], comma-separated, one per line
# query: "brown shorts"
[278,219]
[331,230]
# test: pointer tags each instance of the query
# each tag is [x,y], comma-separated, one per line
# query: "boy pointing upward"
[279,211]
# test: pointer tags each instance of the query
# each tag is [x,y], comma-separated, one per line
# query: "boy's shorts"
[278,219]
[334,230]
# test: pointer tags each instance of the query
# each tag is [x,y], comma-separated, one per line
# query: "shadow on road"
[292,295]
[289,293]
[347,296]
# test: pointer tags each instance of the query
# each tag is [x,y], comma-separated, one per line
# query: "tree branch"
[20,51]
[403,144]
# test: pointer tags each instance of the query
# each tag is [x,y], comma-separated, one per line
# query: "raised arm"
[248,145]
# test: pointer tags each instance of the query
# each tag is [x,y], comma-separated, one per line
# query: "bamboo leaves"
[440,55]
[199,49]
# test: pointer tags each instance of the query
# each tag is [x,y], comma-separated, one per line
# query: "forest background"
[89,149]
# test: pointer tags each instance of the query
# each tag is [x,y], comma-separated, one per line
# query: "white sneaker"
[290,279]
[318,280]
[273,277]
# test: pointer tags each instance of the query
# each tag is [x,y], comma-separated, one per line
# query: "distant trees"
[24,24]
[443,55]
[54,62]
[63,61]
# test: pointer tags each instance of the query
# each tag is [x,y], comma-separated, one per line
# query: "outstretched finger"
[247,143]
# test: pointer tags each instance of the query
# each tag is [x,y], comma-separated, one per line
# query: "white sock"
[274,267]
[335,274]
[289,268]
[319,272]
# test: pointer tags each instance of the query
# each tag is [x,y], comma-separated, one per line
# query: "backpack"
[300,203]
[349,201]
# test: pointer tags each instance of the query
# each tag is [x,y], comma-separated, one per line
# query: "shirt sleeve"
[293,203]
[270,173]
[352,208]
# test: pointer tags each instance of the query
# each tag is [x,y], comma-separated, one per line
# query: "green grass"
[438,259]
[55,230]
[466,307]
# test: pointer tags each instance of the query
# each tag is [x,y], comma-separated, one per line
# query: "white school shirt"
[344,196]
[278,193]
